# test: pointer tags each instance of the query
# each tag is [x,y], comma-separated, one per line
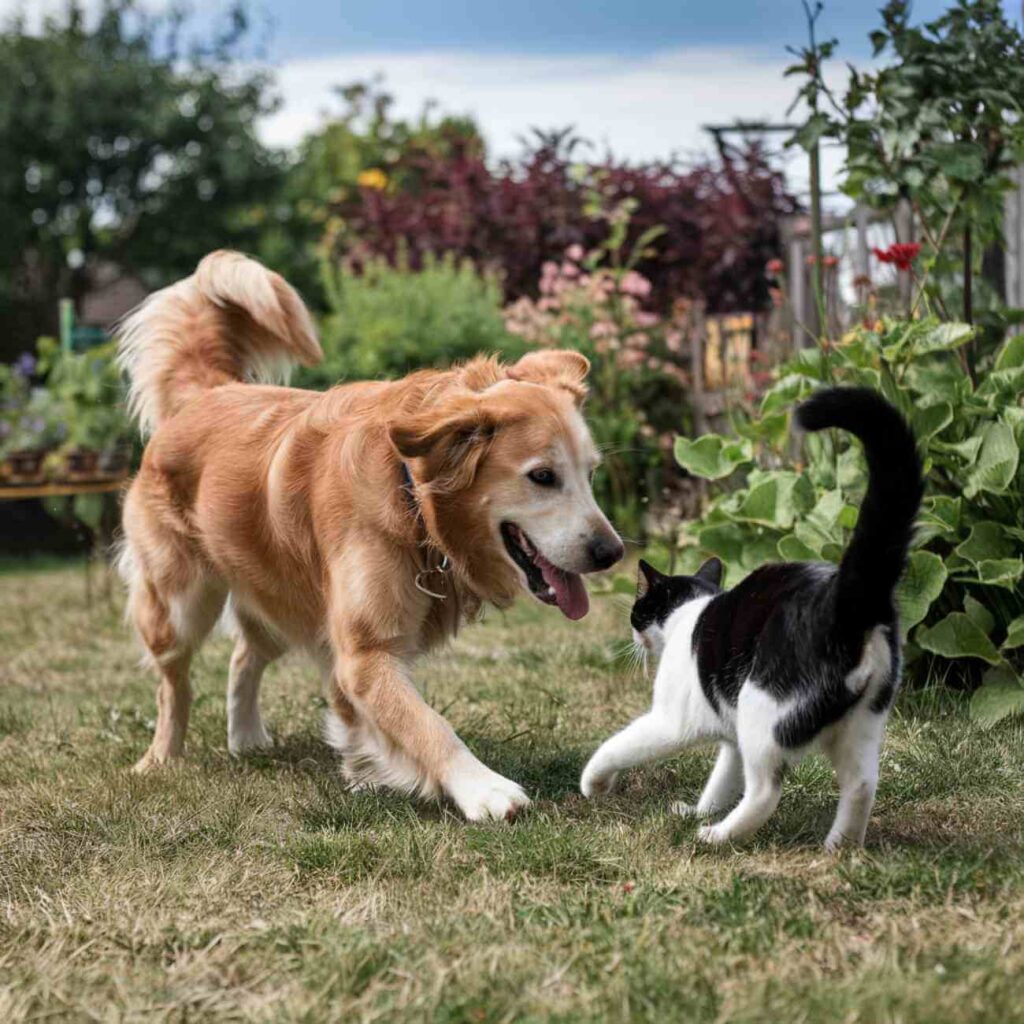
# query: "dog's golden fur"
[294,504]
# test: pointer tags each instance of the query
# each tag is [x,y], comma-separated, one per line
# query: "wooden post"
[1013,231]
[66,311]
[904,224]
[861,220]
[815,321]
[696,318]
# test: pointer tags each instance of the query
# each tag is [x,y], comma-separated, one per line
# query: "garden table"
[99,539]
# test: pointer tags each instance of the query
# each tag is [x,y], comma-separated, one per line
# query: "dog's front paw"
[484,795]
[249,739]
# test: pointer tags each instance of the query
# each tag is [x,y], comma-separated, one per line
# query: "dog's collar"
[409,490]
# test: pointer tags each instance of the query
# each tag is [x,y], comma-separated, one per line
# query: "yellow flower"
[373,178]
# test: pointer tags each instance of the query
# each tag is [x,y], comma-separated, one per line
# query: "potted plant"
[31,432]
[88,387]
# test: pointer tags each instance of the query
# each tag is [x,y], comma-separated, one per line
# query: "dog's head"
[505,482]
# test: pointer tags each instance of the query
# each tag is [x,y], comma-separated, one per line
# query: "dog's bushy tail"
[877,553]
[232,320]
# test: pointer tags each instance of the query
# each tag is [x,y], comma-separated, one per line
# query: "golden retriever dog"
[361,525]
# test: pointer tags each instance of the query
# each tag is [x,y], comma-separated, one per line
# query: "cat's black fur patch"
[799,629]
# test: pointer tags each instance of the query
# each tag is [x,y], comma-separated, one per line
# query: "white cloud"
[643,108]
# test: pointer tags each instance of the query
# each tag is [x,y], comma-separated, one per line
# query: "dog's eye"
[543,477]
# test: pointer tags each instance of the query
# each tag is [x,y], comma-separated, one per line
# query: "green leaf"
[760,548]
[996,464]
[1011,354]
[966,450]
[979,614]
[921,585]
[725,540]
[986,541]
[711,456]
[1014,634]
[1000,695]
[961,161]
[957,636]
[808,135]
[940,517]
[792,549]
[931,420]
[1001,572]
[941,338]
[825,514]
[942,510]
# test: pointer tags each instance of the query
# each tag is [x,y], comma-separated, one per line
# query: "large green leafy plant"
[389,320]
[962,598]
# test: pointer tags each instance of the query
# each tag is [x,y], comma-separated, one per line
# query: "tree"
[122,140]
[943,124]
[362,147]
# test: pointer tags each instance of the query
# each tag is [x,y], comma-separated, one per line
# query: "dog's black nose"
[605,551]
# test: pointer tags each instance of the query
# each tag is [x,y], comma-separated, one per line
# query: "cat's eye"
[543,477]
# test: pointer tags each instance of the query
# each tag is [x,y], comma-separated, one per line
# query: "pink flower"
[575,253]
[646,319]
[635,284]
[569,270]
[773,267]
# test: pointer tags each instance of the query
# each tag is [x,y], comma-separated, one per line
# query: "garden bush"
[389,320]
[962,599]
[721,220]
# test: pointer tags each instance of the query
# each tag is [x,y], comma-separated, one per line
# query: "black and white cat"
[797,657]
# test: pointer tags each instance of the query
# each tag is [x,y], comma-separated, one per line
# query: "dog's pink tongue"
[570,593]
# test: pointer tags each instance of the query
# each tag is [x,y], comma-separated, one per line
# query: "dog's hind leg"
[173,615]
[254,650]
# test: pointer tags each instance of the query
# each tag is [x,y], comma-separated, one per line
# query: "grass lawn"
[261,890]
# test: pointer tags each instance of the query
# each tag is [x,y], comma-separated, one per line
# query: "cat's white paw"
[713,835]
[836,841]
[595,783]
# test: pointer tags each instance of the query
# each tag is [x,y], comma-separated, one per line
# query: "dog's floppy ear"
[555,367]
[451,439]
[711,572]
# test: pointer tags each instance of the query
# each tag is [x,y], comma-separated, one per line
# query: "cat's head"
[658,596]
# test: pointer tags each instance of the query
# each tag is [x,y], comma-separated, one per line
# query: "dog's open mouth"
[545,580]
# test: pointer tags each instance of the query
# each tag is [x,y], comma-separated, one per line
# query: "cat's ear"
[711,572]
[646,577]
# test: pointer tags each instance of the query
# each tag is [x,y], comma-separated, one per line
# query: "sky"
[639,78]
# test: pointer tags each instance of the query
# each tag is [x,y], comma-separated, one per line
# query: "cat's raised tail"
[877,553]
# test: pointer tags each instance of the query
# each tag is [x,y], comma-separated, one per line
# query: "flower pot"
[80,463]
[25,466]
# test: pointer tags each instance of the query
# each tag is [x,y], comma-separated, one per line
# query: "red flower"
[902,254]
[830,262]
[773,267]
